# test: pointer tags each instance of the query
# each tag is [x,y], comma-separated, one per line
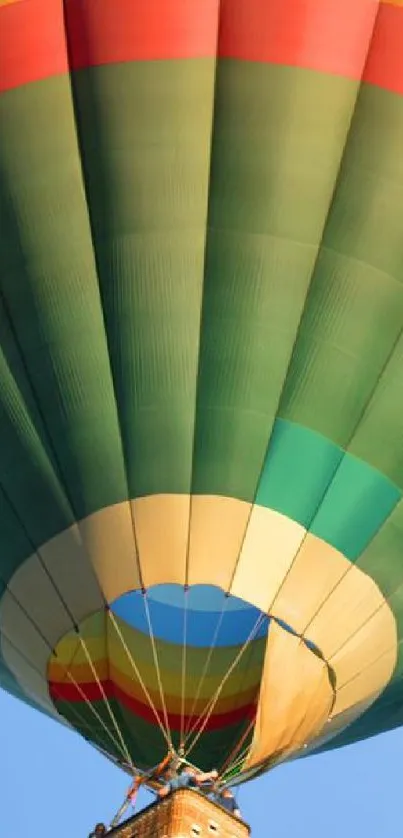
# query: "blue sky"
[52,777]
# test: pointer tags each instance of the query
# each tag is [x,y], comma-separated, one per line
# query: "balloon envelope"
[201,389]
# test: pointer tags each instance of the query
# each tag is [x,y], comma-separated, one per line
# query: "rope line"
[107,703]
[231,759]
[183,673]
[138,676]
[157,670]
[213,701]
[203,676]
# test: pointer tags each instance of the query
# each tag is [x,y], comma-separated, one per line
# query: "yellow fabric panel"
[58,671]
[352,602]
[269,549]
[71,655]
[162,524]
[132,687]
[106,534]
[217,528]
[369,683]
[373,640]
[315,573]
[295,698]
[70,648]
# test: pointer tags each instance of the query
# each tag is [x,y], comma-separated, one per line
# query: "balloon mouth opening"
[174,663]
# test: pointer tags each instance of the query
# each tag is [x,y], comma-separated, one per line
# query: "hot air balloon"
[201,374]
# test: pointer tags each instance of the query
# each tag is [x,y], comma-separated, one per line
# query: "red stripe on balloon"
[385,61]
[75,695]
[32,42]
[352,38]
[359,39]
[33,34]
[327,35]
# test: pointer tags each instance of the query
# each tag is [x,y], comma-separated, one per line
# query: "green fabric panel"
[385,714]
[354,309]
[128,217]
[268,204]
[379,436]
[382,559]
[299,466]
[49,284]
[338,498]
[33,506]
[145,135]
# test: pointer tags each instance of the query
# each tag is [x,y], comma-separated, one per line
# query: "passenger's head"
[100,829]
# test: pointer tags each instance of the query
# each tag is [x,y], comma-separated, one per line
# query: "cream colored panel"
[35,593]
[367,683]
[217,530]
[269,549]
[295,700]
[20,631]
[350,605]
[162,525]
[109,541]
[368,644]
[314,575]
[71,569]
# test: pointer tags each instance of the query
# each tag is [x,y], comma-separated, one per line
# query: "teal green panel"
[299,467]
[145,135]
[337,497]
[49,283]
[268,203]
[358,502]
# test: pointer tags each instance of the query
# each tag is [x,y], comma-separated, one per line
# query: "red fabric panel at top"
[33,39]
[353,38]
[328,35]
[385,61]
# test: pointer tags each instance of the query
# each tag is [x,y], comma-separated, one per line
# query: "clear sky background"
[53,778]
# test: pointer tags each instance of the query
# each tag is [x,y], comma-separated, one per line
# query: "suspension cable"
[139,677]
[232,758]
[107,703]
[157,669]
[122,748]
[232,769]
[183,673]
[203,676]
[211,704]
